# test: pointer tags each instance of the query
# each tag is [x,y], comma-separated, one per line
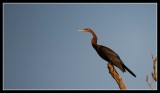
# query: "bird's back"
[110,56]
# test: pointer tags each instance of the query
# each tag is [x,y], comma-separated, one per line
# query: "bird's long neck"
[94,39]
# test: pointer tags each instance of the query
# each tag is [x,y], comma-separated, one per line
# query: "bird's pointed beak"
[82,30]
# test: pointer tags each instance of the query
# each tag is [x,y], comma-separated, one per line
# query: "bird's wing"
[109,53]
[111,56]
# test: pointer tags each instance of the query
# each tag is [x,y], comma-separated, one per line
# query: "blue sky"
[44,50]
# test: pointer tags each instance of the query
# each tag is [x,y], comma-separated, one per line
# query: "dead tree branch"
[154,74]
[150,84]
[116,76]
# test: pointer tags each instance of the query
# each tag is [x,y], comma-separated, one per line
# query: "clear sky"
[44,50]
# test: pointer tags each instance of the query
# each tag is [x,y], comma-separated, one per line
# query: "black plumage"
[107,53]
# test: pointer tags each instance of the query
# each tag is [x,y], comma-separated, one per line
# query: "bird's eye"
[87,29]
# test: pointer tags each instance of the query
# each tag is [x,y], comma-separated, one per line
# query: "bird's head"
[94,39]
[85,30]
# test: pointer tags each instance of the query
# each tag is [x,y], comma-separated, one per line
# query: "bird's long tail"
[129,70]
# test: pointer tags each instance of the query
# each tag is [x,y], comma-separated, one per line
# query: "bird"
[106,53]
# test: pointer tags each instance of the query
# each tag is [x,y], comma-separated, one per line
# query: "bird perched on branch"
[107,53]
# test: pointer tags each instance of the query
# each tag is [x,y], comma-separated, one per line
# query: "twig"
[150,85]
[116,76]
[154,74]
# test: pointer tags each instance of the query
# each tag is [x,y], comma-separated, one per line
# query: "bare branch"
[148,82]
[154,74]
[116,76]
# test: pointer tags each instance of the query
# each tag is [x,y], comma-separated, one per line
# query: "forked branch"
[154,73]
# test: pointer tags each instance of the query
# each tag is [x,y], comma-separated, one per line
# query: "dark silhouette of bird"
[107,53]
